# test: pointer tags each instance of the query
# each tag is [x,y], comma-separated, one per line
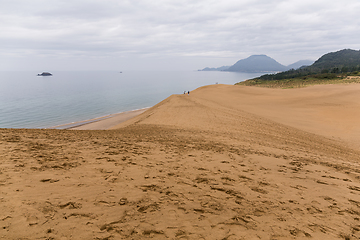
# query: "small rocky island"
[45,74]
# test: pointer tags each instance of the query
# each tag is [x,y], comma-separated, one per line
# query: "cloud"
[286,30]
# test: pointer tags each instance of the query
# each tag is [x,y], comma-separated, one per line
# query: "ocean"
[31,101]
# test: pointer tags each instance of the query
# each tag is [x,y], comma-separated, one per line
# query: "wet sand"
[225,162]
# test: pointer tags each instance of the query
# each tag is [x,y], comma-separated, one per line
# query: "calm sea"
[29,101]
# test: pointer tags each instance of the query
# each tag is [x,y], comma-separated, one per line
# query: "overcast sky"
[170,34]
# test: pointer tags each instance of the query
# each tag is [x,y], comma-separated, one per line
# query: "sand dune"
[328,110]
[225,162]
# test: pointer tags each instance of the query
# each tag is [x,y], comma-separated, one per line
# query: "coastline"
[101,123]
[32,105]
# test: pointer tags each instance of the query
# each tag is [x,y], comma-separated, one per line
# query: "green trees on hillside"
[328,66]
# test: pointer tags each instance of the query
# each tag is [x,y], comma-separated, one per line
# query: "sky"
[121,35]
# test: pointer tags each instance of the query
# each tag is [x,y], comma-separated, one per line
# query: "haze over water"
[29,101]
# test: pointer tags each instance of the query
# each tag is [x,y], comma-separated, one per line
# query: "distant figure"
[188,92]
[184,92]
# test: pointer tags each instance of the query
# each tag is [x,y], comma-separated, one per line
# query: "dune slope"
[225,162]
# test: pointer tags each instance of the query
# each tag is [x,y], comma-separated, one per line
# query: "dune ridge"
[225,162]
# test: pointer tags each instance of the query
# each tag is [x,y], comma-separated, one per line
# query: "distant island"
[45,74]
[333,67]
[223,68]
[258,64]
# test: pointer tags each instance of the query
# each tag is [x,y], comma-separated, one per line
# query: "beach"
[224,162]
[72,97]
[101,123]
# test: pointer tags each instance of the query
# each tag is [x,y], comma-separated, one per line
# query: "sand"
[101,123]
[225,162]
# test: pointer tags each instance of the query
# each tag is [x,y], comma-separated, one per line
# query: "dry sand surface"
[225,162]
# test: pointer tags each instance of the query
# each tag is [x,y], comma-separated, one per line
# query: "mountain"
[223,68]
[257,63]
[299,64]
[343,61]
[347,58]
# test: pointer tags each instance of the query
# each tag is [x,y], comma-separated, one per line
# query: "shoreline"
[101,123]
